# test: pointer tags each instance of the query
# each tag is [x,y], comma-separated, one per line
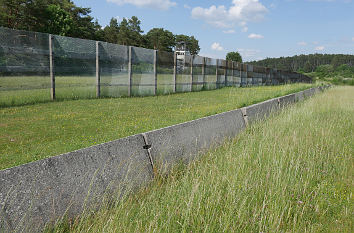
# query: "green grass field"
[33,132]
[290,173]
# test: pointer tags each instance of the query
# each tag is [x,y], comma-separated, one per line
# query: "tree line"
[63,17]
[306,63]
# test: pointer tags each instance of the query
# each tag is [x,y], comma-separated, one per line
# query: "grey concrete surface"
[261,110]
[309,92]
[286,100]
[183,142]
[299,96]
[36,193]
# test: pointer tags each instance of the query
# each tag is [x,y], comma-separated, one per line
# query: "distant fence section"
[41,67]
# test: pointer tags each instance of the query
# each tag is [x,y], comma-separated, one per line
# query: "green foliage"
[60,21]
[51,16]
[192,43]
[111,31]
[308,67]
[306,63]
[234,56]
[340,75]
[160,39]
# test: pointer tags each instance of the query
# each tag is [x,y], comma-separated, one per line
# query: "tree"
[129,31]
[311,61]
[60,21]
[84,27]
[135,31]
[308,67]
[123,35]
[234,56]
[52,16]
[335,62]
[160,39]
[192,43]
[111,31]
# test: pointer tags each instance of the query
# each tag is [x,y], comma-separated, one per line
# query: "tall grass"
[290,173]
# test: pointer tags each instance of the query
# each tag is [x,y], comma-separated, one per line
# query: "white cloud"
[352,38]
[319,48]
[216,46]
[187,6]
[156,4]
[302,43]
[255,36]
[245,29]
[240,12]
[231,31]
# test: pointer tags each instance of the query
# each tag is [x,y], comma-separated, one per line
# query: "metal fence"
[38,67]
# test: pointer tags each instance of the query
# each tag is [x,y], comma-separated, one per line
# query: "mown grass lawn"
[290,173]
[33,132]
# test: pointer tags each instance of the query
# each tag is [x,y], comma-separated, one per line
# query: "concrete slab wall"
[183,142]
[309,92]
[36,193]
[299,96]
[286,100]
[261,110]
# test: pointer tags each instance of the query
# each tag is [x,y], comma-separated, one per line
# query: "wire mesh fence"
[38,67]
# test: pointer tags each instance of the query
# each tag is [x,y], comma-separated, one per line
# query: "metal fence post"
[98,73]
[241,68]
[233,72]
[225,74]
[217,73]
[203,72]
[129,70]
[191,63]
[246,75]
[51,68]
[155,72]
[174,70]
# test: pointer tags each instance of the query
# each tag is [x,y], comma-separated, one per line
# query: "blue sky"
[256,28]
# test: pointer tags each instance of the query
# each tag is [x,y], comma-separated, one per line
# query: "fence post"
[203,72]
[129,70]
[216,73]
[246,75]
[192,57]
[225,74]
[98,73]
[174,70]
[155,72]
[240,68]
[51,68]
[233,72]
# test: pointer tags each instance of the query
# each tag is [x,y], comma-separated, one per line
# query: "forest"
[306,63]
[334,68]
